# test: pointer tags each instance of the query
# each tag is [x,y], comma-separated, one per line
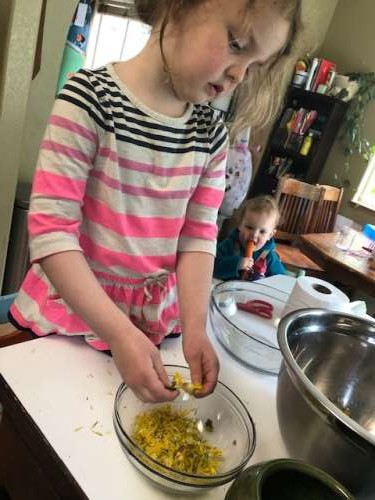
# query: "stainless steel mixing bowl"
[326,394]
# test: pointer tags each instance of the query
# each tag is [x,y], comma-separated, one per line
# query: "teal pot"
[286,479]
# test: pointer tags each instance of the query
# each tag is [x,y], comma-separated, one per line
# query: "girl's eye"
[233,43]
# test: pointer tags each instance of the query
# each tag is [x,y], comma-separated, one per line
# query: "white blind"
[117,7]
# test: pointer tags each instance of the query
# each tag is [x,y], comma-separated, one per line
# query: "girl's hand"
[141,367]
[203,362]
[246,264]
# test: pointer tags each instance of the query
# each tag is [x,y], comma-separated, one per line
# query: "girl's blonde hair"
[259,97]
[260,205]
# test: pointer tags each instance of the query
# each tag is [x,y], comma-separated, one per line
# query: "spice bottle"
[306,145]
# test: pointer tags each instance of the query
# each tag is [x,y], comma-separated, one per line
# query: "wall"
[26,103]
[350,41]
[42,90]
[6,13]
[19,27]
[316,18]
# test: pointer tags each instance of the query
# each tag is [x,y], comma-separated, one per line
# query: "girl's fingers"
[154,393]
[161,381]
[160,370]
[195,365]
[210,368]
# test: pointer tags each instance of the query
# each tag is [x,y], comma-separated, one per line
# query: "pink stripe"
[214,174]
[119,279]
[99,345]
[208,197]
[139,264]
[136,297]
[39,223]
[58,148]
[35,287]
[140,191]
[149,168]
[195,229]
[131,225]
[54,312]
[58,186]
[220,156]
[65,123]
[26,324]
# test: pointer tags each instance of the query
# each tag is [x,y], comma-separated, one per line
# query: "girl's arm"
[136,358]
[194,275]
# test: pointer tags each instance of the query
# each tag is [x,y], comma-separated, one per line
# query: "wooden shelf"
[295,155]
[308,168]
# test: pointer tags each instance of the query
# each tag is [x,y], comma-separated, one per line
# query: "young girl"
[258,220]
[128,183]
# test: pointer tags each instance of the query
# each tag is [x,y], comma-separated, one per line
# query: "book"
[312,70]
[321,75]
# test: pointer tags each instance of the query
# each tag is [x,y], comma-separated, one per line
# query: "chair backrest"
[298,203]
[328,210]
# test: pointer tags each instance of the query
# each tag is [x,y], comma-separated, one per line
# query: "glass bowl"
[250,338]
[233,432]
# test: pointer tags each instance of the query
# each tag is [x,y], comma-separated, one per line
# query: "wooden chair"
[328,209]
[299,204]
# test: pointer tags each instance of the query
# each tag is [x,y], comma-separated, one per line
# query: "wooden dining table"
[345,266]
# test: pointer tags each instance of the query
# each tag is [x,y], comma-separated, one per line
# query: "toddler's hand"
[203,362]
[141,367]
[246,264]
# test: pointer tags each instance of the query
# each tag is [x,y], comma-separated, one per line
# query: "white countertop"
[68,389]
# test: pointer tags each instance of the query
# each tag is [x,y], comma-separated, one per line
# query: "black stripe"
[162,138]
[217,133]
[203,118]
[123,126]
[124,138]
[88,97]
[80,104]
[201,125]
[164,149]
[218,144]
[156,147]
[158,126]
[208,115]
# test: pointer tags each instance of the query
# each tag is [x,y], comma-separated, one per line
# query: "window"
[365,194]
[114,38]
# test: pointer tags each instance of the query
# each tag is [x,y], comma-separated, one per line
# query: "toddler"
[258,220]
[129,179]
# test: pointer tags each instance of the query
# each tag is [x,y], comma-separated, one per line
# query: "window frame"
[95,32]
[365,193]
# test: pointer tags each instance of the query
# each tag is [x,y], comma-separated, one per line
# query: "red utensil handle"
[248,253]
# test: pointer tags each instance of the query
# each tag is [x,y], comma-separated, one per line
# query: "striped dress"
[128,187]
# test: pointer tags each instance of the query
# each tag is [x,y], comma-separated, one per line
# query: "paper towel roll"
[314,292]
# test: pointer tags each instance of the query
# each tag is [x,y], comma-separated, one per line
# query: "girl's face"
[257,227]
[209,53]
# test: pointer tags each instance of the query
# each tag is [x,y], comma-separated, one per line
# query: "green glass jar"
[286,479]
